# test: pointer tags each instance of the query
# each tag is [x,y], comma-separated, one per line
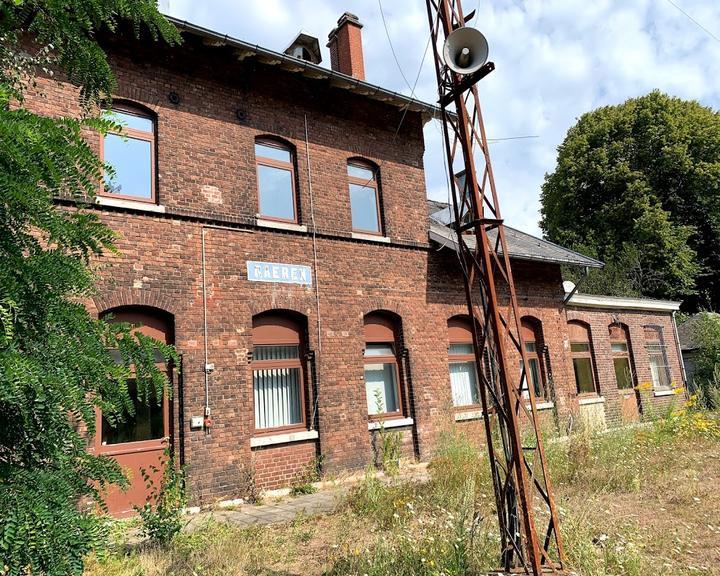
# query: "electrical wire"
[713,36]
[392,48]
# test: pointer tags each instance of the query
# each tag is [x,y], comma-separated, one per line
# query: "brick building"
[274,226]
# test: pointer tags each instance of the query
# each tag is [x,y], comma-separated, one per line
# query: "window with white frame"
[655,347]
[278,387]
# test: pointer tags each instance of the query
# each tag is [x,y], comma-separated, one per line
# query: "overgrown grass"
[633,502]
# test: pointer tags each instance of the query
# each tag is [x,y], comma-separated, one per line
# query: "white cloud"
[556,59]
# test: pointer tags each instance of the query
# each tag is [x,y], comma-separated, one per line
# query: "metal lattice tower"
[527,516]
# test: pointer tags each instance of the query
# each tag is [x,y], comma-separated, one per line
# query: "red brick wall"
[206,176]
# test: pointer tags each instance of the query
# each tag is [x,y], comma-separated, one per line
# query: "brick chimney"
[345,43]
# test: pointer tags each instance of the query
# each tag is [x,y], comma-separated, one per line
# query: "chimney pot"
[345,43]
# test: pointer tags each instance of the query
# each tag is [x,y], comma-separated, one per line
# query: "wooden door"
[138,443]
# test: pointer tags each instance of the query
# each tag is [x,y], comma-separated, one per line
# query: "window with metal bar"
[655,348]
[277,371]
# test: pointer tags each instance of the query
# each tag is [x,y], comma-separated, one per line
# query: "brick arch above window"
[459,328]
[283,326]
[133,297]
[382,326]
[153,322]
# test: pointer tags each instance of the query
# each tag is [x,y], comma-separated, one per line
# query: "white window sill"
[133,204]
[283,438]
[664,392]
[470,415]
[280,225]
[596,400]
[544,405]
[391,423]
[370,237]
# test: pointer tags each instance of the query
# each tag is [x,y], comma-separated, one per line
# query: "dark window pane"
[530,347]
[622,373]
[361,172]
[145,424]
[363,204]
[535,378]
[618,347]
[132,160]
[583,375]
[580,347]
[130,120]
[272,152]
[276,193]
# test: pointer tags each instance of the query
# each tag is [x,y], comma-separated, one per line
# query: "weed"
[163,521]
[303,482]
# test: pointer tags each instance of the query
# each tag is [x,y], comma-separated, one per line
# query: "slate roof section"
[522,246]
[687,331]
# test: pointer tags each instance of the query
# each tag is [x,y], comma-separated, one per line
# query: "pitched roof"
[522,246]
[308,69]
[687,331]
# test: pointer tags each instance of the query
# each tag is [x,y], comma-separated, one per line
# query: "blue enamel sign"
[277,272]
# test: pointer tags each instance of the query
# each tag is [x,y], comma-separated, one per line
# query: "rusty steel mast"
[527,516]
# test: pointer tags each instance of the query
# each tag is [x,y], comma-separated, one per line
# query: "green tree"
[640,184]
[55,365]
[705,334]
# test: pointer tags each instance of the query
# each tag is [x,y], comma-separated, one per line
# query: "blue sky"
[555,59]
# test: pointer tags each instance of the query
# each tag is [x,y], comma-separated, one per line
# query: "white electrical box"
[196,422]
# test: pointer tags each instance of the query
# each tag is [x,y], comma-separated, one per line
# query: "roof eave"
[584,261]
[314,71]
[597,301]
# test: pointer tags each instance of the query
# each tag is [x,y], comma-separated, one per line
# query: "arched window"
[276,180]
[131,153]
[150,421]
[278,388]
[655,346]
[582,357]
[620,348]
[382,377]
[463,375]
[532,335]
[364,197]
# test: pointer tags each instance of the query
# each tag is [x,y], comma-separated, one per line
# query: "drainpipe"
[207,366]
[579,282]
